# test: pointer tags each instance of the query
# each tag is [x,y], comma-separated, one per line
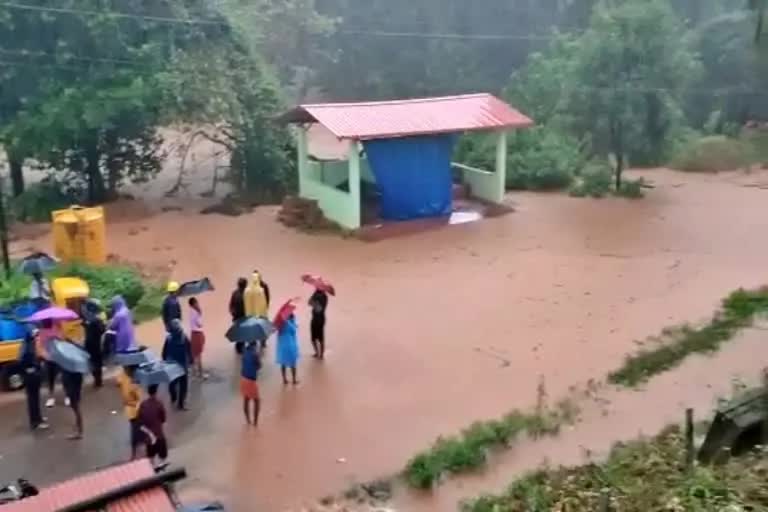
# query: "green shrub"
[150,304]
[596,180]
[422,471]
[14,289]
[632,189]
[543,159]
[107,281]
[712,153]
[38,201]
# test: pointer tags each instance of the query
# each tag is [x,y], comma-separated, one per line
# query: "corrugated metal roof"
[391,119]
[94,484]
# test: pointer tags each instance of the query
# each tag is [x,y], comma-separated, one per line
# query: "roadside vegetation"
[143,297]
[470,449]
[637,477]
[675,344]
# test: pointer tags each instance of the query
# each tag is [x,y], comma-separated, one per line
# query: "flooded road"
[428,333]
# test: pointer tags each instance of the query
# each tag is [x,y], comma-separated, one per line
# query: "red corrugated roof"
[390,119]
[94,484]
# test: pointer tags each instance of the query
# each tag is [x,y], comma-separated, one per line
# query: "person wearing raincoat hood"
[255,300]
[121,326]
[177,349]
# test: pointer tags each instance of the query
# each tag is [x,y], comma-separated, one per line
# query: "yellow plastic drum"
[79,234]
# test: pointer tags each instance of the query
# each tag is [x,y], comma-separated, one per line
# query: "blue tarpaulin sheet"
[413,175]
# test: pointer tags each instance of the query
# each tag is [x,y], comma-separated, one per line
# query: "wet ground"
[428,333]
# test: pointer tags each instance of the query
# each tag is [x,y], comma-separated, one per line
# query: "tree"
[92,113]
[630,73]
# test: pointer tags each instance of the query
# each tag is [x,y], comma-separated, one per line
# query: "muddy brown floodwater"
[422,326]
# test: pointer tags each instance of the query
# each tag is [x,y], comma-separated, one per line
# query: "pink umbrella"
[53,313]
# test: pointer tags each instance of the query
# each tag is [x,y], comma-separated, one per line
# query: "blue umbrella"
[191,288]
[158,372]
[250,329]
[69,356]
[37,263]
[134,358]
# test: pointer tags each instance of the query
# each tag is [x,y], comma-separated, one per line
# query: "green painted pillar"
[302,145]
[501,167]
[354,185]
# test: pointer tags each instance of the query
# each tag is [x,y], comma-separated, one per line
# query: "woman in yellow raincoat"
[256,300]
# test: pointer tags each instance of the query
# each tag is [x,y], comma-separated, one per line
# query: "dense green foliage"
[105,282]
[669,350]
[470,449]
[639,476]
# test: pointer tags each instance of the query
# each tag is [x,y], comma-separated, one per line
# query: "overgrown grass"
[714,153]
[469,450]
[639,476]
[104,281]
[737,312]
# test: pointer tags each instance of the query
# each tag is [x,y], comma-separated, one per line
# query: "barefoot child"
[152,419]
[249,388]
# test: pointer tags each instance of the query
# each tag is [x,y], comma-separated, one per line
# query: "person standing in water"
[171,308]
[177,349]
[249,388]
[121,325]
[287,354]
[72,383]
[237,306]
[131,395]
[255,299]
[197,336]
[94,327]
[151,421]
[319,303]
[31,372]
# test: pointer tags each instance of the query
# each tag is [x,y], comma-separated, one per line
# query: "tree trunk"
[96,189]
[112,164]
[16,164]
[617,132]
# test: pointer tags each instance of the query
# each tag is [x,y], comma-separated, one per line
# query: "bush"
[596,180]
[543,159]
[38,201]
[631,189]
[107,281]
[712,154]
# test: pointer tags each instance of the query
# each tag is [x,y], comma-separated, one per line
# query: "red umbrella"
[285,311]
[319,283]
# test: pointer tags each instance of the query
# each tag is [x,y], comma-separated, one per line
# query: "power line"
[426,35]
[114,14]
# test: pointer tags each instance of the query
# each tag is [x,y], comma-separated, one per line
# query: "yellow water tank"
[79,234]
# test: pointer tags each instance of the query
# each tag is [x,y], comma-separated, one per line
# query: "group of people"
[112,332]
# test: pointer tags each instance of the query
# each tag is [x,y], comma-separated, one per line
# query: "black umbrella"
[37,263]
[208,507]
[191,288]
[250,329]
[158,372]
[135,358]
[69,356]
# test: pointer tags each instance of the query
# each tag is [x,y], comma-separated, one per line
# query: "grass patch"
[714,153]
[469,450]
[104,281]
[737,311]
[639,476]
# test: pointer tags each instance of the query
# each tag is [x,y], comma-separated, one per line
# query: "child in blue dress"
[287,352]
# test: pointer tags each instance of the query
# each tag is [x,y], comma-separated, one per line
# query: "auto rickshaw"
[68,292]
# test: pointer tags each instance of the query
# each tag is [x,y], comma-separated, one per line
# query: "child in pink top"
[197,336]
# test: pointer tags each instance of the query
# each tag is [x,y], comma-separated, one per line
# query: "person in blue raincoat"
[177,349]
[287,351]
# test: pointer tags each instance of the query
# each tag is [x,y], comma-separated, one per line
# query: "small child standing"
[151,420]
[131,395]
[249,388]
[197,337]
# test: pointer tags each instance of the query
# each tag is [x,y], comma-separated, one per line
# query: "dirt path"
[422,326]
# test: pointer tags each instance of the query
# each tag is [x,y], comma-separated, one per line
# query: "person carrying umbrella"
[40,289]
[177,349]
[121,326]
[256,304]
[31,372]
[237,306]
[94,327]
[171,309]
[318,302]
[74,363]
[50,330]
